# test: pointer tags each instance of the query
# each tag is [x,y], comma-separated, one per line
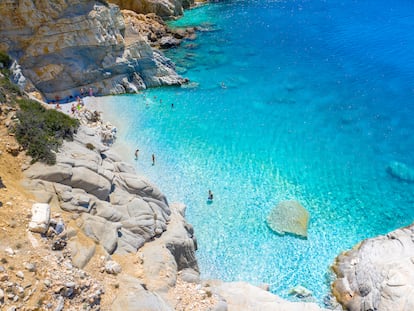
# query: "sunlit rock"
[289,217]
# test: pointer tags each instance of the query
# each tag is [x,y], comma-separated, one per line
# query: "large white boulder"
[40,218]
[378,273]
[244,296]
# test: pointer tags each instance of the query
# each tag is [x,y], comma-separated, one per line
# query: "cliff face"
[63,46]
[378,273]
[163,8]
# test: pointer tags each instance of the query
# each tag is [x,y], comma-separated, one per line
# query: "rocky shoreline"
[112,241]
[112,213]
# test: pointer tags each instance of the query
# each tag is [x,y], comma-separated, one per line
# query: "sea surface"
[289,100]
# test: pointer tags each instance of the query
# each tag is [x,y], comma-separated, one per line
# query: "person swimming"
[210,196]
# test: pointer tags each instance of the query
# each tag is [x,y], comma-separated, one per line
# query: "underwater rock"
[300,291]
[289,217]
[401,171]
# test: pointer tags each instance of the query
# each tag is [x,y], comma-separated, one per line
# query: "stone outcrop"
[378,273]
[116,207]
[66,48]
[154,30]
[164,8]
[244,296]
[289,217]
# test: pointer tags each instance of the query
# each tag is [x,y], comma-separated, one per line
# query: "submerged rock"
[401,171]
[289,217]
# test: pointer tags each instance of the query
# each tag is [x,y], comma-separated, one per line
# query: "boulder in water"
[289,217]
[401,171]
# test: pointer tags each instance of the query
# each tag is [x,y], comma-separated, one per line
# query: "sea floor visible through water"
[303,100]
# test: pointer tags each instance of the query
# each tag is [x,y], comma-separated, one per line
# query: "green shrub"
[90,146]
[41,131]
[8,87]
[5,59]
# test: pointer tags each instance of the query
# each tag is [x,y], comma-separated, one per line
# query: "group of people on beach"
[79,105]
[79,101]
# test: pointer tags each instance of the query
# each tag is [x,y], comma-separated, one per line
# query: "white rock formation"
[377,274]
[40,218]
[244,296]
[65,46]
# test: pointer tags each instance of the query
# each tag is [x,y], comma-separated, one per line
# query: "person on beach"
[73,108]
[58,106]
[153,159]
[136,154]
[210,196]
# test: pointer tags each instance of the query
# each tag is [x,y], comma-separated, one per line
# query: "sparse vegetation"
[5,59]
[90,146]
[41,131]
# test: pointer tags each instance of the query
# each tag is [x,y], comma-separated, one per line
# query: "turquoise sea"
[305,100]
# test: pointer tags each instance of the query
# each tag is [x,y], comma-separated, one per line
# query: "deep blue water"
[305,100]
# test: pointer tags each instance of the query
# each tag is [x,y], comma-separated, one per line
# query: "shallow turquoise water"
[302,100]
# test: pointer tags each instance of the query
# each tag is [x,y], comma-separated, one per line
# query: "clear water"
[318,98]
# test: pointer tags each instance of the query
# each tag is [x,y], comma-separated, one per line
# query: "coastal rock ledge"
[378,273]
[112,214]
[66,48]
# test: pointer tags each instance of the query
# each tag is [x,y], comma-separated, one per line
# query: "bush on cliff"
[5,60]
[41,131]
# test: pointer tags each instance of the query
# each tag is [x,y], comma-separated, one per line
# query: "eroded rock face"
[163,8]
[377,274]
[66,47]
[118,208]
[154,30]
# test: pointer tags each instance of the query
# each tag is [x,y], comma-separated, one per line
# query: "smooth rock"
[82,251]
[132,297]
[300,291]
[20,275]
[112,267]
[101,230]
[40,218]
[91,182]
[401,171]
[289,217]
[377,274]
[243,296]
[9,251]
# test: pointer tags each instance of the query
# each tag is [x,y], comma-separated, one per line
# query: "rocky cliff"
[163,8]
[67,47]
[378,273]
